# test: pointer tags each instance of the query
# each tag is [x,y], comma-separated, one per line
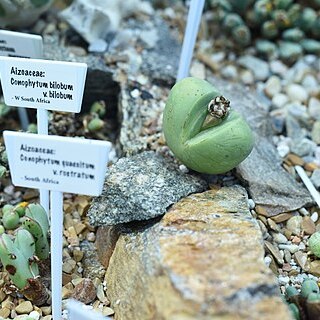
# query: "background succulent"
[281,24]
[306,303]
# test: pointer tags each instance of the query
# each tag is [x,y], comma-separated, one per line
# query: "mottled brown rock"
[85,291]
[106,239]
[203,260]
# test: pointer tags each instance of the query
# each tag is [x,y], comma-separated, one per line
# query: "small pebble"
[294,224]
[315,216]
[279,237]
[246,77]
[91,236]
[296,92]
[272,86]
[314,108]
[183,168]
[24,307]
[229,72]
[279,100]
[251,204]
[267,261]
[135,93]
[292,248]
[278,67]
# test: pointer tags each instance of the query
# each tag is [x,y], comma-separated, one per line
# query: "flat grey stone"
[161,61]
[259,68]
[141,187]
[270,186]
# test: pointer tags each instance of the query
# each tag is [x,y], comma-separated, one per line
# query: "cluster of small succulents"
[94,122]
[294,25]
[306,304]
[23,244]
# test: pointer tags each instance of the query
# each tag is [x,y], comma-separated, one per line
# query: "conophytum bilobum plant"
[201,129]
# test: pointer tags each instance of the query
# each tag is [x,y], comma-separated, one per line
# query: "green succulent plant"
[201,131]
[20,256]
[314,244]
[95,124]
[36,222]
[17,258]
[99,108]
[309,286]
[10,219]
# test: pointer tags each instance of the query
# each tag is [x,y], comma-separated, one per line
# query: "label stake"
[190,36]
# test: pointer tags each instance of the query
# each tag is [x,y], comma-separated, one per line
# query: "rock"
[141,187]
[246,77]
[22,13]
[85,291]
[106,239]
[4,312]
[198,70]
[315,133]
[315,268]
[314,108]
[279,237]
[98,45]
[92,267]
[274,251]
[297,92]
[160,63]
[279,100]
[24,307]
[93,20]
[272,86]
[292,248]
[68,265]
[303,147]
[294,225]
[270,186]
[181,267]
[149,37]
[278,67]
[310,83]
[308,226]
[302,260]
[259,68]
[315,178]
[229,72]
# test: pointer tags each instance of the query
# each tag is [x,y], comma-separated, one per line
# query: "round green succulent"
[309,286]
[201,129]
[314,244]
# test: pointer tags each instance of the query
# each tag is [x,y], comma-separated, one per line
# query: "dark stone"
[141,187]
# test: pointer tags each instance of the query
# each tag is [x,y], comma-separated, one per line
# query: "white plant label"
[57,163]
[44,84]
[20,45]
